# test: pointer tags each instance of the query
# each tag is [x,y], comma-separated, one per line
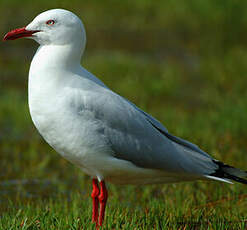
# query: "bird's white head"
[53,27]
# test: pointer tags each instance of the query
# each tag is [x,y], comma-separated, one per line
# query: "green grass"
[183,63]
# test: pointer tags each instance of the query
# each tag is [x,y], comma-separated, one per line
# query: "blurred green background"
[184,62]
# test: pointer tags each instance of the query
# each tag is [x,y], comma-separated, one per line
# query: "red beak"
[19,33]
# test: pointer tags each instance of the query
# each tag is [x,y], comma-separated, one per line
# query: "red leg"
[94,195]
[102,199]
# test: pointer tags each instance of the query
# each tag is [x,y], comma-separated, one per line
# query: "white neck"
[63,57]
[51,61]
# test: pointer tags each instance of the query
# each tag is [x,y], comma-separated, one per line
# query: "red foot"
[94,195]
[102,199]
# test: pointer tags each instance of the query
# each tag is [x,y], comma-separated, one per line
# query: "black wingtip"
[228,172]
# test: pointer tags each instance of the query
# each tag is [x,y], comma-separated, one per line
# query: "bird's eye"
[50,22]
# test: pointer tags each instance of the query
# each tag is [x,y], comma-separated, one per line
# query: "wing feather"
[139,138]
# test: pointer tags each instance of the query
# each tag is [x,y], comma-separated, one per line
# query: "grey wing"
[151,119]
[164,130]
[137,137]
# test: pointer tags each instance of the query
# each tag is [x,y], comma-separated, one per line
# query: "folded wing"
[137,137]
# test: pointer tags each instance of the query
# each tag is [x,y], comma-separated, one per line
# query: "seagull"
[101,132]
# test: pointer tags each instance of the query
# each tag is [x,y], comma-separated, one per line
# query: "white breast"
[71,131]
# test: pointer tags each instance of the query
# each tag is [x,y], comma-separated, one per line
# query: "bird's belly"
[119,171]
[76,137]
[81,143]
